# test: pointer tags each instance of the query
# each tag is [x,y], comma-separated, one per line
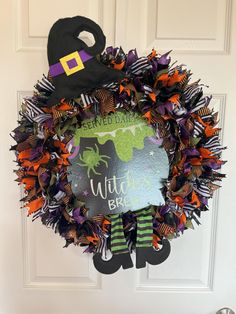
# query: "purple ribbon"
[57,68]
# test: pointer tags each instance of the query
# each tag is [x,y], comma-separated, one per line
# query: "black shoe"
[112,265]
[151,256]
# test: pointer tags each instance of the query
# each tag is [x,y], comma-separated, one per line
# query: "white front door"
[38,275]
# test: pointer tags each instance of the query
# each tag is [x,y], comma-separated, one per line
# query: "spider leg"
[81,158]
[105,162]
[88,172]
[81,164]
[89,148]
[95,172]
[104,156]
[97,150]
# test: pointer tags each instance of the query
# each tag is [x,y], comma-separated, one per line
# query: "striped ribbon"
[112,87]
[87,100]
[139,66]
[191,91]
[205,113]
[213,144]
[144,228]
[202,104]
[33,113]
[202,189]
[164,229]
[198,129]
[106,101]
[45,85]
[178,68]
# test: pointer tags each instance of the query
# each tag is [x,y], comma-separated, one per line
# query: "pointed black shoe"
[151,256]
[112,265]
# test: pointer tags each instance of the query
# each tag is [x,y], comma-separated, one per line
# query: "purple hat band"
[70,63]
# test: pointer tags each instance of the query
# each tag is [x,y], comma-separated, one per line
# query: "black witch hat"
[74,68]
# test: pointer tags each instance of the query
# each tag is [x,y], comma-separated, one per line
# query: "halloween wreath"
[116,152]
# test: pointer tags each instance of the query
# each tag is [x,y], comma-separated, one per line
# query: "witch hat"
[74,68]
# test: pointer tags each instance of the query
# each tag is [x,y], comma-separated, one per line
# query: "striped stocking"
[144,228]
[119,248]
[144,248]
[118,241]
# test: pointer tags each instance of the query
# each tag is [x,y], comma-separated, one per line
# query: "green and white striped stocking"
[144,228]
[118,241]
